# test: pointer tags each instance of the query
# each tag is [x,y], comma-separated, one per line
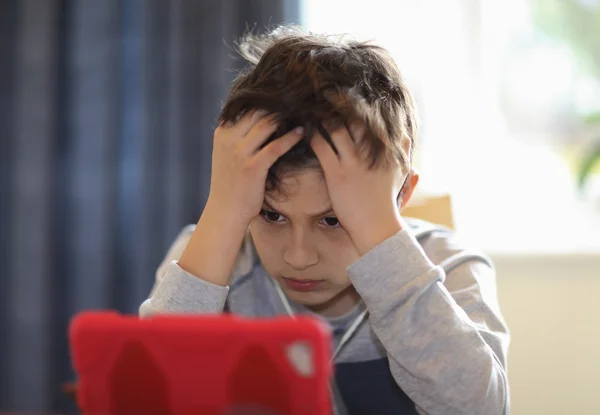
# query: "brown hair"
[307,79]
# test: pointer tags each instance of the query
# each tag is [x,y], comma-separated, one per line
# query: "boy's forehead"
[299,181]
[303,191]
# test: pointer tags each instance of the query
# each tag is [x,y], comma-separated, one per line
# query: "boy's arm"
[177,291]
[241,159]
[446,343]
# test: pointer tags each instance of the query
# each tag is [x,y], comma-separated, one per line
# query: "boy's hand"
[240,166]
[237,187]
[364,200]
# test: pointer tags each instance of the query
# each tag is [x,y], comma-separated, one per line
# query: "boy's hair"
[307,79]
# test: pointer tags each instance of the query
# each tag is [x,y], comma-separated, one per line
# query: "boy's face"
[301,244]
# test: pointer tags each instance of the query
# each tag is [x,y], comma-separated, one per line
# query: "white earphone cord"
[347,334]
[343,341]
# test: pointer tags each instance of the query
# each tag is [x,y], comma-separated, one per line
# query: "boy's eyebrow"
[322,213]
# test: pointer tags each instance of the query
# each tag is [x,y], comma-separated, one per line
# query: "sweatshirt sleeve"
[443,332]
[176,291]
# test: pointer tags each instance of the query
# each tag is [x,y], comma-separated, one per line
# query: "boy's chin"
[310,298]
[328,303]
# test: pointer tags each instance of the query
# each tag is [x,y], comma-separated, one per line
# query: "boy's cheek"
[268,247]
[266,241]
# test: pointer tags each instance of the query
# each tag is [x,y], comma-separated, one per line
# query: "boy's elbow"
[496,399]
[146,309]
[503,395]
[487,394]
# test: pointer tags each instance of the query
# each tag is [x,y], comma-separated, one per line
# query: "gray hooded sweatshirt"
[427,338]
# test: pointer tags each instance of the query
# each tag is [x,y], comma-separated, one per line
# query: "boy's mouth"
[302,285]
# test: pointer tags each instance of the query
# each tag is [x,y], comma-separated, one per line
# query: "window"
[499,103]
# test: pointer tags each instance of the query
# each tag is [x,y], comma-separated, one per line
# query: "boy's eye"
[332,222]
[271,216]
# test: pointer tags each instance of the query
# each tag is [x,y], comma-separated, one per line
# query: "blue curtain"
[106,116]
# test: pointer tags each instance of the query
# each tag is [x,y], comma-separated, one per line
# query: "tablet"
[213,365]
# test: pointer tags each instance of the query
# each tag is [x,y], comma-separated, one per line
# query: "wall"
[552,306]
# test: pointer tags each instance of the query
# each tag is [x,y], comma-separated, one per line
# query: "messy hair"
[307,79]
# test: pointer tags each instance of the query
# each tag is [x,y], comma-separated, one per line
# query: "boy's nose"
[300,253]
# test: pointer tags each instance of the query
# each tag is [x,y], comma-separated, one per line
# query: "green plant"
[587,165]
[576,23]
[591,158]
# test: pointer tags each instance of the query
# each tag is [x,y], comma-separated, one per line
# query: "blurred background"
[106,116]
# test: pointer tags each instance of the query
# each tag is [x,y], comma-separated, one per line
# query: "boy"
[311,169]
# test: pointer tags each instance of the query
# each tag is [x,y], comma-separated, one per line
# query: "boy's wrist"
[374,232]
[224,217]
[214,246]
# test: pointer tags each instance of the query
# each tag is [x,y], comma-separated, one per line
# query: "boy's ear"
[407,190]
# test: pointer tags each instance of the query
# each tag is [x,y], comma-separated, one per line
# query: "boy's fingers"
[342,140]
[247,122]
[259,133]
[278,147]
[323,151]
[357,133]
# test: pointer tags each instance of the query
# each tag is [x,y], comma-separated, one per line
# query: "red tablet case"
[213,365]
